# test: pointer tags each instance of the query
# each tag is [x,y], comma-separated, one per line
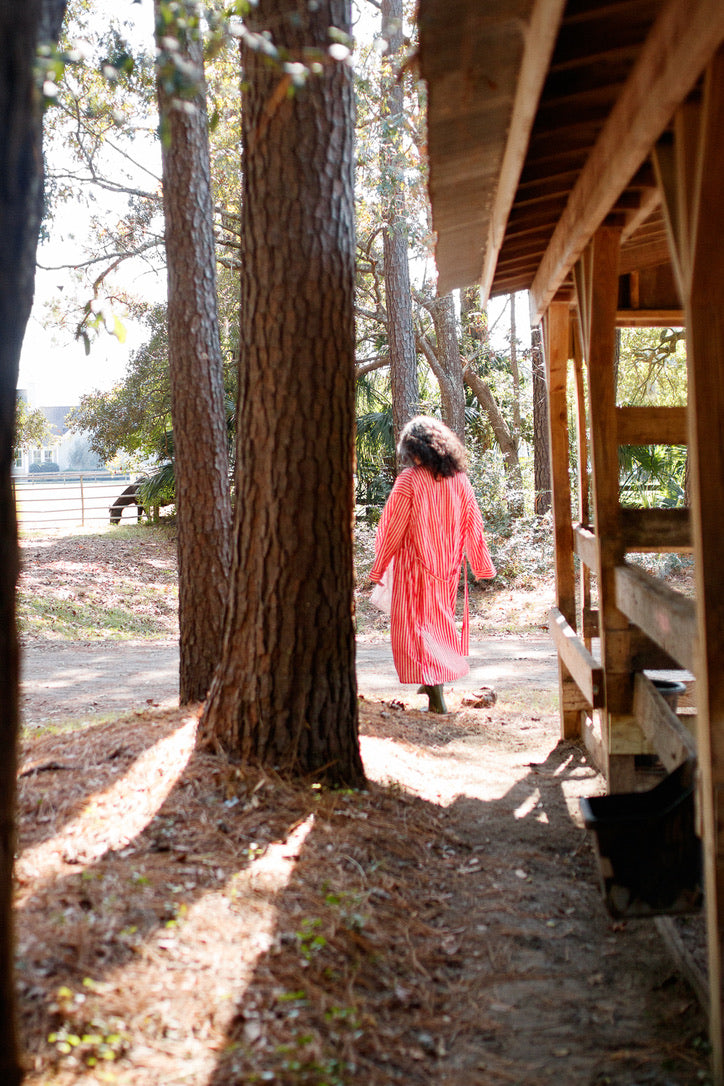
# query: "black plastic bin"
[648,854]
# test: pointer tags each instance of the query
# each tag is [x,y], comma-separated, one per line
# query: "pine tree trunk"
[504,438]
[398,299]
[285,693]
[198,409]
[541,449]
[515,372]
[23,23]
[449,367]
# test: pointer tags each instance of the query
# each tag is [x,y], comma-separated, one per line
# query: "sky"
[54,367]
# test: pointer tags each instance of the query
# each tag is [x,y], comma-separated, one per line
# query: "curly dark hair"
[426,442]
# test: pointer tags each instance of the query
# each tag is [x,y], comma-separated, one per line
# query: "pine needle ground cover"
[181,921]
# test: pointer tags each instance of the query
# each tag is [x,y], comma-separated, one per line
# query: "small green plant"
[89,1042]
[309,939]
[92,1046]
[350,908]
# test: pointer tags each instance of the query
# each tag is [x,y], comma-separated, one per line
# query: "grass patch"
[65,725]
[118,585]
[86,620]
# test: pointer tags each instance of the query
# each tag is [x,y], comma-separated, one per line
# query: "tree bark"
[446,363]
[198,411]
[285,695]
[503,436]
[400,329]
[23,24]
[541,448]
[515,372]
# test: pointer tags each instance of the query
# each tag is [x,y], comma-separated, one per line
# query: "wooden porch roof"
[542,116]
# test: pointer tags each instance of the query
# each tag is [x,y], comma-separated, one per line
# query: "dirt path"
[444,928]
[66,679]
[184,923]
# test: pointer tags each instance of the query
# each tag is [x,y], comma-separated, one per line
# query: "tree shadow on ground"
[251,930]
[469,947]
[60,770]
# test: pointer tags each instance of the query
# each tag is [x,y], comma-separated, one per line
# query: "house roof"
[542,115]
[56,416]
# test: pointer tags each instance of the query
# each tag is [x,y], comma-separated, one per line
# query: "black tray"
[648,854]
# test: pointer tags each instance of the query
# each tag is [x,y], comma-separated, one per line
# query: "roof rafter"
[540,39]
[678,48]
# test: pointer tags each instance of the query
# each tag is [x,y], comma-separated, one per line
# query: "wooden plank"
[656,530]
[628,739]
[590,624]
[572,699]
[594,744]
[557,340]
[672,742]
[556,328]
[586,546]
[584,495]
[645,253]
[681,42]
[584,669]
[666,616]
[646,655]
[601,275]
[701,178]
[681,953]
[652,425]
[649,318]
[539,32]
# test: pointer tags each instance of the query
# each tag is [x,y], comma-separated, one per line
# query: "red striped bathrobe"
[426,526]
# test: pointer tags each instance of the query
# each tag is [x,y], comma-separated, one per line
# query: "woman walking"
[431,520]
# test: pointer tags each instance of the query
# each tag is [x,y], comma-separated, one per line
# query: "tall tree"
[23,25]
[445,360]
[477,341]
[541,445]
[284,695]
[400,330]
[203,504]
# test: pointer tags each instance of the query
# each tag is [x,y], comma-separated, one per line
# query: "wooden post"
[597,289]
[584,513]
[691,184]
[557,335]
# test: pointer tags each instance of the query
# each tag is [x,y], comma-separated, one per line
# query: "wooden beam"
[557,351]
[594,744]
[666,616]
[557,339]
[650,318]
[646,655]
[584,482]
[584,669]
[672,741]
[652,425]
[597,278]
[700,177]
[658,531]
[644,253]
[681,42]
[586,546]
[540,39]
[590,624]
[650,200]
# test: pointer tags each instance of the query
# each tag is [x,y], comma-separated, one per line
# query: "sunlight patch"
[100,827]
[187,988]
[528,805]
